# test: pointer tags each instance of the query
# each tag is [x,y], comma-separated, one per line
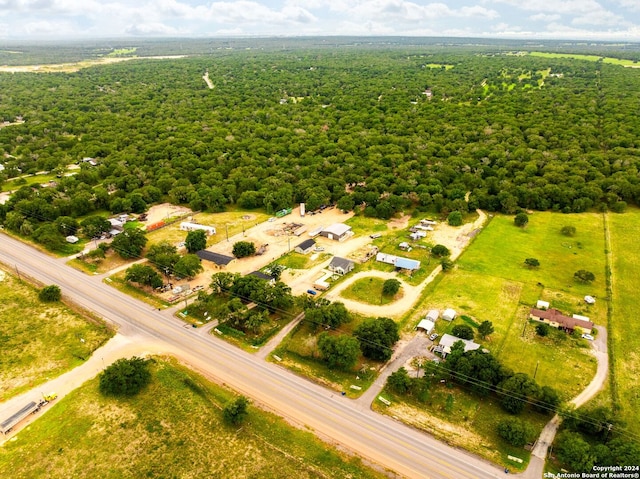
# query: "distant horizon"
[435,39]
[572,20]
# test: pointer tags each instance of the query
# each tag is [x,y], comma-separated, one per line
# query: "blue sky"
[544,19]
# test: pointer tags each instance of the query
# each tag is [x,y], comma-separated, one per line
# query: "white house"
[449,314]
[447,341]
[341,266]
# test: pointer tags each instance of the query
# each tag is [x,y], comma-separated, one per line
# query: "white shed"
[433,315]
[426,325]
[542,304]
[449,314]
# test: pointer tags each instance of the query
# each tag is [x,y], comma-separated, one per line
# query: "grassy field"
[502,248]
[369,291]
[491,283]
[625,332]
[39,341]
[86,435]
[591,58]
[475,425]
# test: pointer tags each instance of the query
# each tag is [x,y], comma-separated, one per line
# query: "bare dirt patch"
[456,238]
[165,211]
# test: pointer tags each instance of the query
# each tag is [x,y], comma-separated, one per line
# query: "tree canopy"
[377,336]
[125,377]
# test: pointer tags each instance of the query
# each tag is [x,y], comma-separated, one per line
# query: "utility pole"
[18,273]
[525,328]
[536,371]
[226,227]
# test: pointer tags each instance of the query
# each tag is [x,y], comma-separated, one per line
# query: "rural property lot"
[39,341]
[625,334]
[87,435]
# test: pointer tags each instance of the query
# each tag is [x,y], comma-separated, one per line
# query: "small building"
[187,226]
[216,258]
[556,319]
[448,340]
[432,315]
[300,230]
[90,161]
[590,300]
[341,266]
[398,261]
[264,276]
[316,231]
[72,239]
[542,304]
[426,325]
[449,314]
[404,246]
[337,232]
[305,247]
[415,236]
[408,264]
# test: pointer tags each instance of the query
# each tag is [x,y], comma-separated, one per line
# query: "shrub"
[125,377]
[50,294]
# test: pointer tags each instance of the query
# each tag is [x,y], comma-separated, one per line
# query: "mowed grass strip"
[38,340]
[174,428]
[625,334]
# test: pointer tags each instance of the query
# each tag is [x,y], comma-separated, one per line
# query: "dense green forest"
[383,128]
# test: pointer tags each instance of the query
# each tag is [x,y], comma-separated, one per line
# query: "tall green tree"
[196,241]
[377,337]
[339,351]
[130,243]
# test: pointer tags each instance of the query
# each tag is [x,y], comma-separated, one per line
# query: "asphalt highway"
[374,437]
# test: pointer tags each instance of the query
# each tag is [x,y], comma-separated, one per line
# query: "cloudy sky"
[558,19]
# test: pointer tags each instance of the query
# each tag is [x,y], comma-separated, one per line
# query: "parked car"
[433,336]
[319,248]
[588,337]
[312,292]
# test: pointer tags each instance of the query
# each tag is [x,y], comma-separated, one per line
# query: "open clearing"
[75,66]
[39,340]
[625,334]
[86,435]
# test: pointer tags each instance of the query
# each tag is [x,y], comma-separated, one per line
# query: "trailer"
[33,407]
[30,408]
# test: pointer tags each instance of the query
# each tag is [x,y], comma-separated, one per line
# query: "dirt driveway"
[456,238]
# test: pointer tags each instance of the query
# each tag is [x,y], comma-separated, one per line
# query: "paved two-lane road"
[374,437]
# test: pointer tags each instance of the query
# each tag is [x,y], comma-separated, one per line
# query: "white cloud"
[142,29]
[544,17]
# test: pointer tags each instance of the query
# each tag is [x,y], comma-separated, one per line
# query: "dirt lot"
[456,238]
[272,234]
[165,210]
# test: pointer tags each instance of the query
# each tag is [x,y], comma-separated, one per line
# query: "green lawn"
[502,248]
[172,429]
[40,341]
[625,331]
[369,290]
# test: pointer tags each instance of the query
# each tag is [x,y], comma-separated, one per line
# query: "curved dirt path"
[410,296]
[454,238]
[535,470]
